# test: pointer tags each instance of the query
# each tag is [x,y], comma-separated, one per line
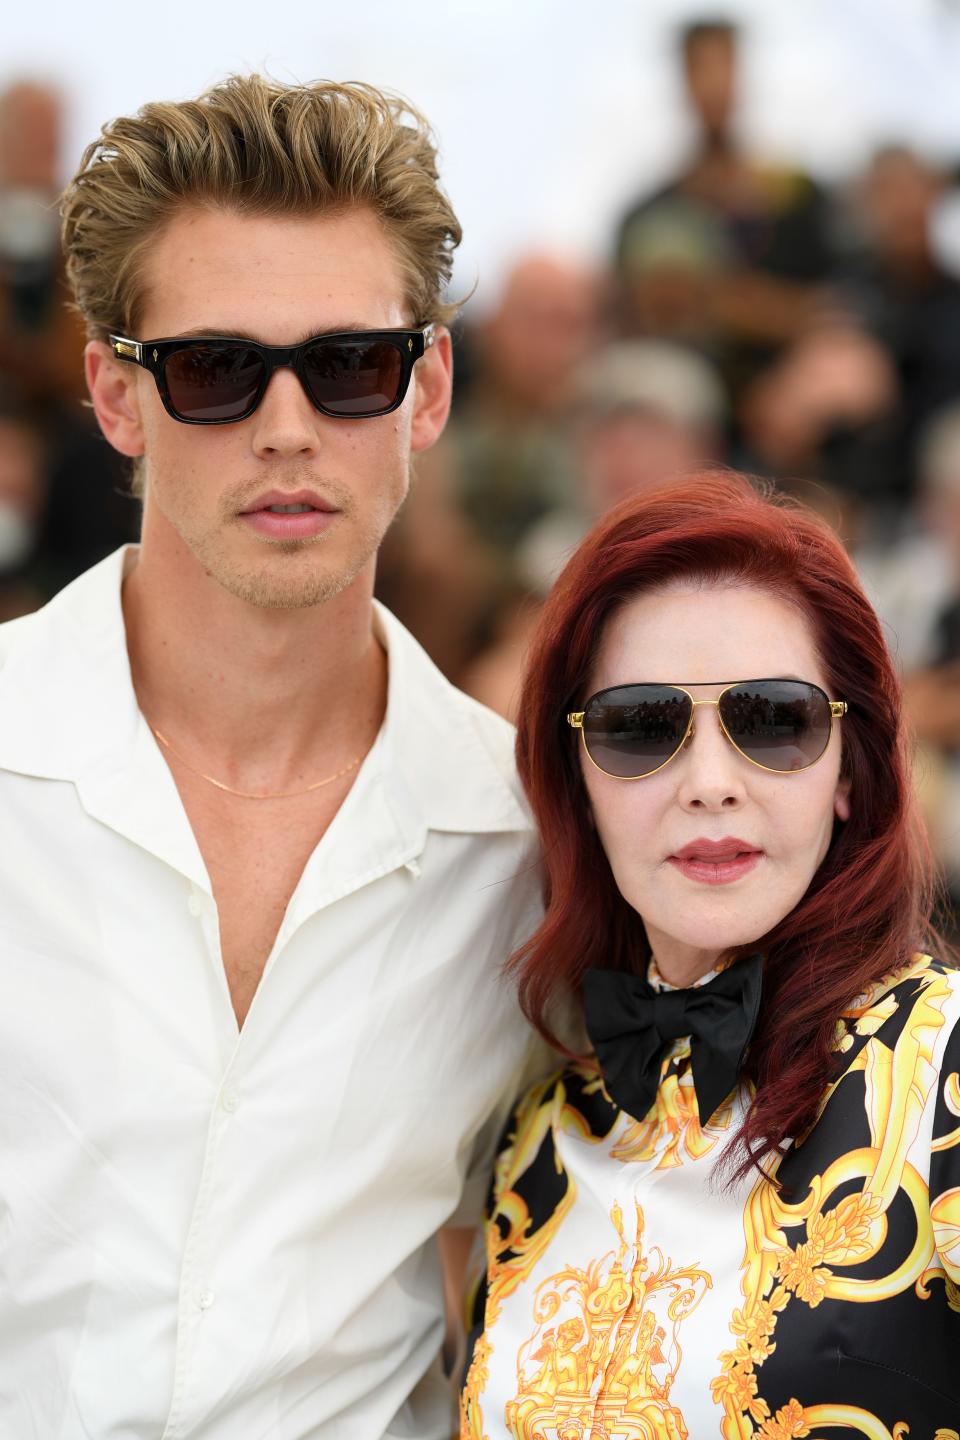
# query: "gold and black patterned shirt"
[628,1296]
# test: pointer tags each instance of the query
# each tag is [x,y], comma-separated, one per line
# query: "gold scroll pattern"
[777,1273]
[512,1248]
[672,1132]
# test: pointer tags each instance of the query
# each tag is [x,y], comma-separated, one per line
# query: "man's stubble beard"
[268,589]
[265,585]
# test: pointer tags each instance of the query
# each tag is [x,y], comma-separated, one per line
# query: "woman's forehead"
[706,633]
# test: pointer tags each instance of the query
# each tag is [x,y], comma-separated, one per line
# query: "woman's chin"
[703,944]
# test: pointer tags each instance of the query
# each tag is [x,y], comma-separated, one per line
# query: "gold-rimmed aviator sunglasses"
[780,725]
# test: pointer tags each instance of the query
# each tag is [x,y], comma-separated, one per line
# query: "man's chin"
[268,591]
[290,576]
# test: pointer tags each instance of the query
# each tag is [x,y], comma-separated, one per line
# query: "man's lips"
[285,515]
[716,862]
[282,499]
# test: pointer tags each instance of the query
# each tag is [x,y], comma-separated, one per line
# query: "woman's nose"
[711,775]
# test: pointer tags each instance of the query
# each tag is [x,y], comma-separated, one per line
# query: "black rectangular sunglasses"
[632,731]
[217,380]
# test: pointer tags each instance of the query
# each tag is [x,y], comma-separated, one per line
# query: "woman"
[740,1215]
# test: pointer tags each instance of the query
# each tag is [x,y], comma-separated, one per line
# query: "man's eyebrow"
[233,332]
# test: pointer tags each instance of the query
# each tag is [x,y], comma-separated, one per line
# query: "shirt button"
[194,904]
[229,1100]
[205,1299]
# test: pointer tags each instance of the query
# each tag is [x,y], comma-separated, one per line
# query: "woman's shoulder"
[898,1057]
[920,968]
[916,1000]
[890,1116]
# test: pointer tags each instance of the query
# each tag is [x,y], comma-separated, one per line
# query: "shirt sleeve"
[945,1169]
[538,1061]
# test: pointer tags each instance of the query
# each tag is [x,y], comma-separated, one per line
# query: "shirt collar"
[68,711]
[656,981]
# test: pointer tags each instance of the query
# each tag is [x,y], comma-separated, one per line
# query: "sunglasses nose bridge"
[692,730]
[694,706]
[283,360]
[286,359]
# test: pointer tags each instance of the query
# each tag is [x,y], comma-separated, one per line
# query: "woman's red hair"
[868,907]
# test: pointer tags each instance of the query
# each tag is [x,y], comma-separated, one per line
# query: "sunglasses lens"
[631,730]
[779,724]
[347,378]
[213,382]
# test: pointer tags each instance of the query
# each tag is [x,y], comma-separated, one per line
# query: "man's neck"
[261,699]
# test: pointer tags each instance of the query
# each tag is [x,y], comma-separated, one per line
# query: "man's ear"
[433,379]
[113,390]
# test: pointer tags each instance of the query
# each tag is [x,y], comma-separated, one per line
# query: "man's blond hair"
[254,146]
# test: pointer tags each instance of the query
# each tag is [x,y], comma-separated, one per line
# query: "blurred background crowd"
[746,313]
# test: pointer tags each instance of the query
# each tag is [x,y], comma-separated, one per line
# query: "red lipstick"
[716,862]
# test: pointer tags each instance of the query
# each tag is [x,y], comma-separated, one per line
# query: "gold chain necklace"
[248,794]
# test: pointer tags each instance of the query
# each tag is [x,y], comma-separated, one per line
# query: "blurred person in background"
[898,287]
[675,258]
[732,252]
[262,861]
[41,341]
[23,495]
[821,420]
[643,410]
[915,586]
[505,461]
[85,512]
[506,452]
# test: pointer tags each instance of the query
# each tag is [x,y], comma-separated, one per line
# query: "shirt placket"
[197,1297]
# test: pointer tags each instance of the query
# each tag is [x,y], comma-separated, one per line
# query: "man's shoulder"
[496,735]
[63,673]
[94,594]
[19,634]
[29,641]
[456,753]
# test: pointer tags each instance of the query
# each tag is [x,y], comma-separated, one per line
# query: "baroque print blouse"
[629,1297]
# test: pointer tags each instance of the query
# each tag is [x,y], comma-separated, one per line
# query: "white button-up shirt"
[228,1234]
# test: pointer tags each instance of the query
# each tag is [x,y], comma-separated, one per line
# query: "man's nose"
[286,423]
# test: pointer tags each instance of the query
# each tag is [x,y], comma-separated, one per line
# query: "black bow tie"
[629,1023]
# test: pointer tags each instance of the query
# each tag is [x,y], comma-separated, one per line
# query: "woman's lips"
[716,862]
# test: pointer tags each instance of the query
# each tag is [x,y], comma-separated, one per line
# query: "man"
[262,863]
